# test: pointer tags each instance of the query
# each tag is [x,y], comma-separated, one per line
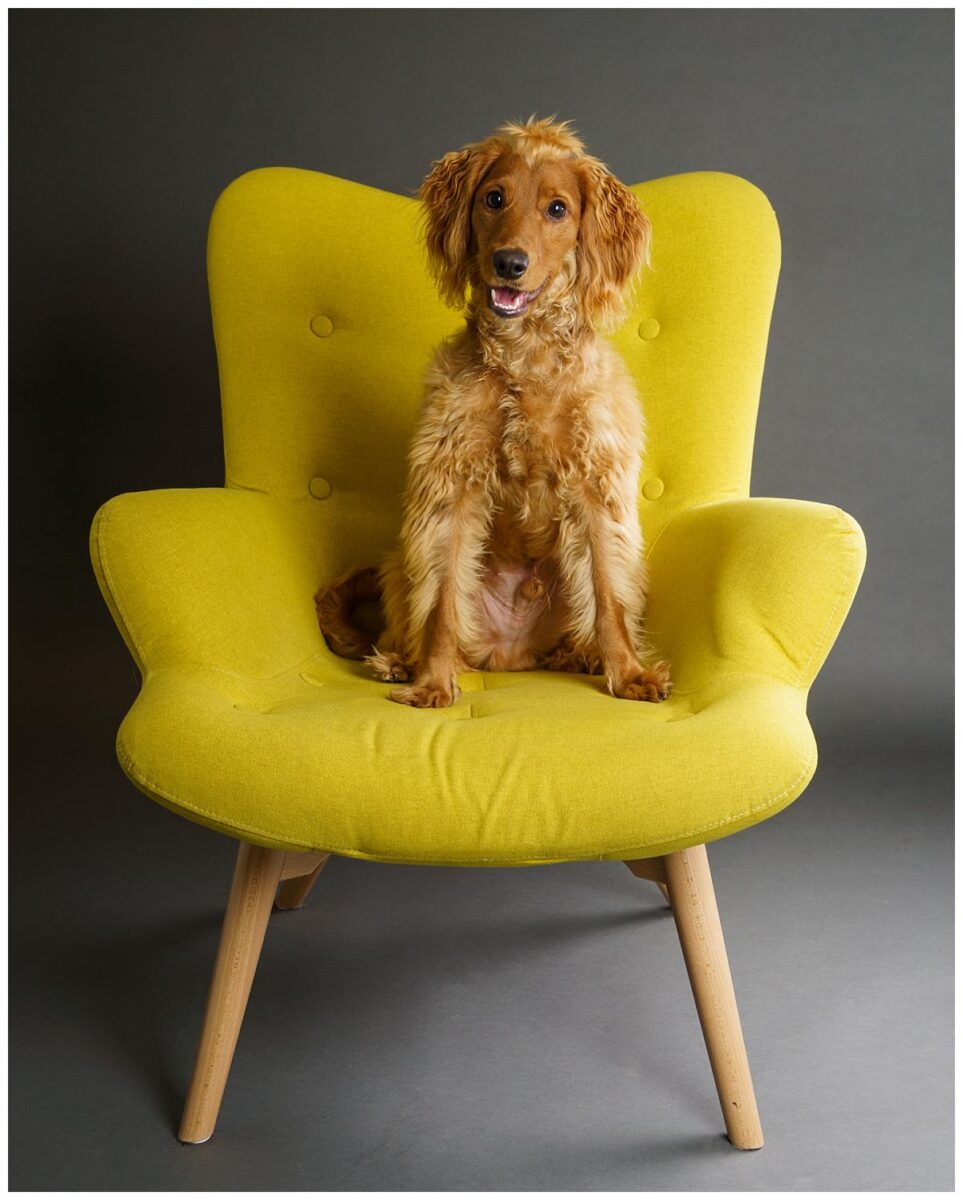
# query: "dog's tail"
[336,603]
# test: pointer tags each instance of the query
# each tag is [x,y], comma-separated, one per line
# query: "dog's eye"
[556,210]
[494,198]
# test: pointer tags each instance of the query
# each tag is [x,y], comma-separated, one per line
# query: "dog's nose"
[510,264]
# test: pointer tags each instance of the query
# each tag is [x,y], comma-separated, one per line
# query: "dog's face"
[526,217]
[525,223]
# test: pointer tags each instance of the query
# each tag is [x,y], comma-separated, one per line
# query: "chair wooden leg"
[697,919]
[652,869]
[298,876]
[256,877]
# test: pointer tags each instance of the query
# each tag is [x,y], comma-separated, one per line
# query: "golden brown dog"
[520,546]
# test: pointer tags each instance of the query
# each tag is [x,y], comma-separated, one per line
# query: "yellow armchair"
[324,317]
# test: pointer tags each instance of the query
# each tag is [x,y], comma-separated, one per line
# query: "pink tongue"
[508,297]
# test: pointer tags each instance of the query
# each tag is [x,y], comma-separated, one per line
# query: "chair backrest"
[325,318]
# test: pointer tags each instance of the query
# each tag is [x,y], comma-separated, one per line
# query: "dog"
[520,545]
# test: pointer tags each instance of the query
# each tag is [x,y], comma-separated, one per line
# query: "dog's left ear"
[613,242]
[447,194]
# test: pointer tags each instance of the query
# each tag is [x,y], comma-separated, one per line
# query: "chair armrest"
[753,585]
[213,577]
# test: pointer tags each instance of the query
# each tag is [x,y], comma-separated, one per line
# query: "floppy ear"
[447,194]
[613,243]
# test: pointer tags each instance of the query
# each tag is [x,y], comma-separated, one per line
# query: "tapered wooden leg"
[298,876]
[256,877]
[697,919]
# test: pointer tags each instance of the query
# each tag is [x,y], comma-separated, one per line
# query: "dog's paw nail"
[651,686]
[424,696]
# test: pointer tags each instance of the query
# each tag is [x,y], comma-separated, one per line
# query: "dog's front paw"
[652,684]
[430,694]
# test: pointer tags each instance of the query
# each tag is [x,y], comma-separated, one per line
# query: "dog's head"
[525,217]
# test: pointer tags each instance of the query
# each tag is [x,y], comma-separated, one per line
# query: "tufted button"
[322,326]
[319,488]
[649,329]
[652,489]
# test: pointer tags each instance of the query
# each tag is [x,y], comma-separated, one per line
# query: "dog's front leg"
[434,685]
[600,548]
[444,543]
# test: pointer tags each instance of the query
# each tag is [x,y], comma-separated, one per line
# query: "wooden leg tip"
[746,1145]
[746,1138]
[186,1140]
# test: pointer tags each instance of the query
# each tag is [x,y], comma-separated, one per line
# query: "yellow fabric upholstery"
[324,318]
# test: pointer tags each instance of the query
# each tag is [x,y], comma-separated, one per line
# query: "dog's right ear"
[447,194]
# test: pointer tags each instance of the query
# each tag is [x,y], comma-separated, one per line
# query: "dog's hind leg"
[335,604]
[566,657]
[390,666]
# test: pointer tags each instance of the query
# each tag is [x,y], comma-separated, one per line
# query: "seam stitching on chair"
[846,596]
[128,764]
[741,673]
[109,579]
[820,639]
[319,655]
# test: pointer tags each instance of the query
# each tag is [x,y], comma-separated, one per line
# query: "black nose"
[510,264]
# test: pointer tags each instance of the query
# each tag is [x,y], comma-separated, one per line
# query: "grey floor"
[476,1030]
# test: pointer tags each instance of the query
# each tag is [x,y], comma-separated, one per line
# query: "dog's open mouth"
[510,302]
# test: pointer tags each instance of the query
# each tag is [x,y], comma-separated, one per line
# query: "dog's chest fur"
[540,437]
[535,442]
[534,451]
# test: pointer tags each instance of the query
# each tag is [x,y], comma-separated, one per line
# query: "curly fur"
[520,545]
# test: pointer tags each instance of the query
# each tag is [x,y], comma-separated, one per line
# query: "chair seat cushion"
[525,768]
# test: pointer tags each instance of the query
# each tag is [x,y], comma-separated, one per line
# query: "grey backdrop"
[124,127]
